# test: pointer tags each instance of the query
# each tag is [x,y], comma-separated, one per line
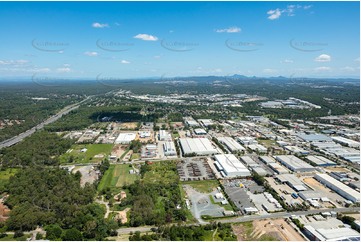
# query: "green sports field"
[117,176]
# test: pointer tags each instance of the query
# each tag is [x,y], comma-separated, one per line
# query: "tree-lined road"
[252,217]
[16,139]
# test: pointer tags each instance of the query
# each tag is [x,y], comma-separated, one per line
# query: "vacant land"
[117,176]
[89,153]
[205,186]
[266,230]
[128,125]
[161,173]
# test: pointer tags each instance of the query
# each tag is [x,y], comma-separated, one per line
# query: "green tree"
[73,235]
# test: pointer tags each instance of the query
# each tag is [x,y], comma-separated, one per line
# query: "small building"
[200,132]
[164,135]
[169,149]
[292,181]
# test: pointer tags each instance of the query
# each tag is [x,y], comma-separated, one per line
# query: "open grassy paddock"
[75,155]
[117,176]
[204,186]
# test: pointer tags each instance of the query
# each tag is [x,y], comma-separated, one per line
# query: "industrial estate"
[180,121]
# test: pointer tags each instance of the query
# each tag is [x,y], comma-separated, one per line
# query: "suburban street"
[16,139]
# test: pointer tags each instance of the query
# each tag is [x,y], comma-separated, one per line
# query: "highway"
[16,139]
[239,219]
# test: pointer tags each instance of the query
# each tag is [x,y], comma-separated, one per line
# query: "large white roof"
[231,143]
[125,137]
[197,145]
[231,165]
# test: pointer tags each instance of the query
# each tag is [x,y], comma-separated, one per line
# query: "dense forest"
[54,199]
[41,148]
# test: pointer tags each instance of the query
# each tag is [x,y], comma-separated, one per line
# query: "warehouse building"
[231,144]
[198,146]
[294,164]
[346,142]
[337,186]
[164,135]
[279,169]
[169,149]
[314,137]
[206,122]
[319,160]
[247,140]
[125,138]
[258,148]
[200,132]
[292,181]
[230,166]
[296,150]
[267,159]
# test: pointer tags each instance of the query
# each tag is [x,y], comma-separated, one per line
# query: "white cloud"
[323,68]
[63,69]
[348,69]
[157,57]
[13,62]
[91,53]
[229,30]
[146,37]
[99,25]
[290,11]
[287,61]
[66,65]
[323,58]
[274,14]
[269,71]
[124,62]
[357,59]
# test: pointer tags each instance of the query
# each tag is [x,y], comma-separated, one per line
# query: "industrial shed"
[337,186]
[231,144]
[199,146]
[231,166]
[294,164]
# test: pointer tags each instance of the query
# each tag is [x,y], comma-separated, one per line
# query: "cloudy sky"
[143,39]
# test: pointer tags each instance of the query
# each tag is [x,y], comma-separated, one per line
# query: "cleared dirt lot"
[127,125]
[263,230]
[118,150]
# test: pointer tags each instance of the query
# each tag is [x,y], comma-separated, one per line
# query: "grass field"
[204,186]
[76,156]
[267,142]
[117,176]
[5,175]
[162,172]
[226,206]
[135,156]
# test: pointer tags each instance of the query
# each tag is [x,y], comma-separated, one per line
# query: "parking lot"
[201,203]
[190,169]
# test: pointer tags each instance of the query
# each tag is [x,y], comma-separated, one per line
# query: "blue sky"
[155,39]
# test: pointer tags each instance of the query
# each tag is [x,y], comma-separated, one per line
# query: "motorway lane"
[20,137]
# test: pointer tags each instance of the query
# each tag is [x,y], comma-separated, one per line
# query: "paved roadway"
[251,218]
[16,139]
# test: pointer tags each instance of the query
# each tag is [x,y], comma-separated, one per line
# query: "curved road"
[16,139]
